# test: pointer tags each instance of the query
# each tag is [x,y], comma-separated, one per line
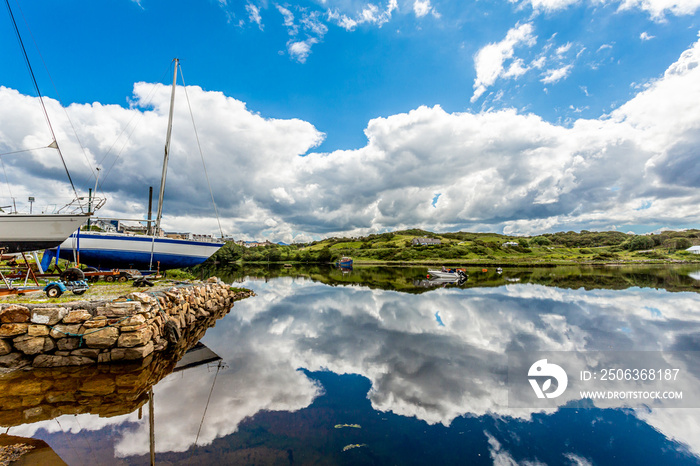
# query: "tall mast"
[167,149]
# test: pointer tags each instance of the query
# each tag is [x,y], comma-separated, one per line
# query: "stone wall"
[125,329]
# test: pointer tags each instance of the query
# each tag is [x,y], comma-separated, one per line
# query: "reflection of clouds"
[682,425]
[436,373]
[73,424]
[252,383]
[417,367]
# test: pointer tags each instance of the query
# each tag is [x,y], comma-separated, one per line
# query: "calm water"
[380,366]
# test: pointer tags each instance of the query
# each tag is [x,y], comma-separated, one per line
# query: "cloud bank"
[496,170]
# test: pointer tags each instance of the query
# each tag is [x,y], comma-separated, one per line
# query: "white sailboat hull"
[29,232]
[120,250]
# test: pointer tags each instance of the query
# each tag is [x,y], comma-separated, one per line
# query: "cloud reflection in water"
[417,368]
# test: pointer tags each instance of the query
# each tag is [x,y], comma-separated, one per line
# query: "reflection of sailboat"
[196,356]
[26,451]
[28,232]
[122,250]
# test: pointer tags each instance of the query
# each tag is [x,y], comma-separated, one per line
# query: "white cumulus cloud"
[552,76]
[495,170]
[489,61]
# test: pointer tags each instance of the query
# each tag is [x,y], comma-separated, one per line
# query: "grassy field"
[477,248]
[100,291]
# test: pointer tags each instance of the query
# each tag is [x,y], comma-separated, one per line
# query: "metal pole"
[150,209]
[89,207]
[167,149]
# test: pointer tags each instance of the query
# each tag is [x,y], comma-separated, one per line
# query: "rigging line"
[87,440]
[41,99]
[24,150]
[9,187]
[68,436]
[65,110]
[148,100]
[207,406]
[201,154]
[149,97]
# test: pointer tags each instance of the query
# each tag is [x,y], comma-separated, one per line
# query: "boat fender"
[172,332]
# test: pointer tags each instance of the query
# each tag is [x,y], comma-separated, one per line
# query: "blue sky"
[341,101]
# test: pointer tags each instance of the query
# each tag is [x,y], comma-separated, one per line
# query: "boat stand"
[9,287]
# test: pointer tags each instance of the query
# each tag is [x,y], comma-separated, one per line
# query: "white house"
[425,241]
[694,249]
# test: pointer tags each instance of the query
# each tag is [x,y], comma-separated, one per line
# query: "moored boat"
[344,262]
[144,252]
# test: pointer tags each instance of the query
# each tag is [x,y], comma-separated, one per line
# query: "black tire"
[72,275]
[142,282]
[123,278]
[109,278]
[53,291]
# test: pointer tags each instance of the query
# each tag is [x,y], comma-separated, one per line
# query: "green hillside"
[476,248]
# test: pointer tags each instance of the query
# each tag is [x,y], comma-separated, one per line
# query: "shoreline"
[494,263]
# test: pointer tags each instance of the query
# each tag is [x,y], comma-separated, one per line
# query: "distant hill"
[466,247]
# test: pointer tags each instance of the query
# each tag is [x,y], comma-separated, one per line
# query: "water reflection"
[414,279]
[422,374]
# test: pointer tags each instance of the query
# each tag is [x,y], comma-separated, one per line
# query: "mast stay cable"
[41,98]
[65,110]
[201,154]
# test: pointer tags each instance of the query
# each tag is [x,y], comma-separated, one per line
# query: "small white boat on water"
[443,273]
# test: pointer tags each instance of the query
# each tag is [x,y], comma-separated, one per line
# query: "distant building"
[425,241]
[510,243]
[195,237]
[694,249]
[140,229]
[253,244]
[175,235]
[107,225]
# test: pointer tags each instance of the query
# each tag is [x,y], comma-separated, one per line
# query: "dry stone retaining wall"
[126,329]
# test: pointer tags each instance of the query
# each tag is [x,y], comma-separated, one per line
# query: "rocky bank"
[130,328]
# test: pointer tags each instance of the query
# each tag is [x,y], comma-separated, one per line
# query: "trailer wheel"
[123,278]
[72,275]
[109,278]
[53,291]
